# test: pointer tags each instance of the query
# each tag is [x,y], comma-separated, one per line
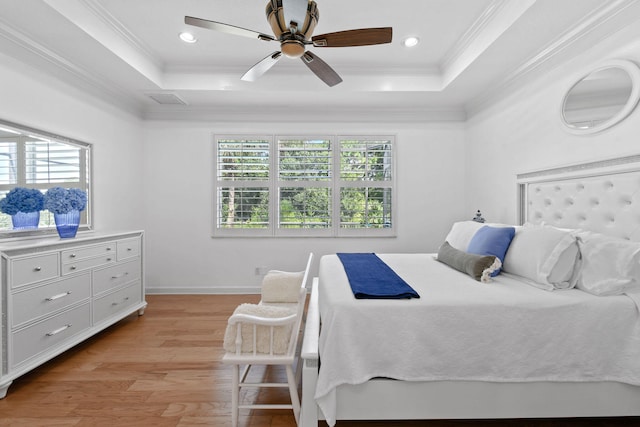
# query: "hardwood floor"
[163,369]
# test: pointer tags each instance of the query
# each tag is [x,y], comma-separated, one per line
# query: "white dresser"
[58,292]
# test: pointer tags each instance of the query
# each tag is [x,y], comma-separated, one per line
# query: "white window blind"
[304,182]
[8,161]
[243,160]
[242,189]
[51,162]
[366,185]
[287,186]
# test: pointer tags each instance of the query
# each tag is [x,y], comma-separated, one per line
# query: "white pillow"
[545,255]
[281,286]
[462,232]
[610,266]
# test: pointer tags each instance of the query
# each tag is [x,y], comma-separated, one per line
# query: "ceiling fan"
[293,22]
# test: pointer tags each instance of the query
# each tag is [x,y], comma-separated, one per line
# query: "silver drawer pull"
[73,267]
[72,256]
[55,297]
[108,259]
[117,303]
[129,249]
[37,268]
[117,276]
[109,248]
[60,329]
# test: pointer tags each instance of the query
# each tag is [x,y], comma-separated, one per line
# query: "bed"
[516,347]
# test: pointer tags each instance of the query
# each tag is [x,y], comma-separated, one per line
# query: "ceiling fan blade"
[261,67]
[295,10]
[321,69]
[226,28]
[361,37]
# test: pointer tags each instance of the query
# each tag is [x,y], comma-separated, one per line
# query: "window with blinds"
[242,188]
[288,186]
[304,183]
[366,183]
[31,159]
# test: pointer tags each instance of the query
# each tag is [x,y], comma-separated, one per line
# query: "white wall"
[178,172]
[157,175]
[524,133]
[170,196]
[32,99]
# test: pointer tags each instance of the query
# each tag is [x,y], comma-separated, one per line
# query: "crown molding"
[293,67]
[121,31]
[258,114]
[472,34]
[90,17]
[490,26]
[592,22]
[25,42]
[72,74]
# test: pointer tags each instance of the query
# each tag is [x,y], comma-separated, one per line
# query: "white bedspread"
[460,329]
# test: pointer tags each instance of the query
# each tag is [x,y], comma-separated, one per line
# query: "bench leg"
[235,395]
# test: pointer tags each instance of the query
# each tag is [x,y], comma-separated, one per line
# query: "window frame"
[240,232]
[334,184]
[85,171]
[371,232]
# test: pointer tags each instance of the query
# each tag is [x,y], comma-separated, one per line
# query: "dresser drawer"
[114,276]
[128,248]
[49,333]
[77,254]
[116,302]
[85,264]
[40,301]
[34,269]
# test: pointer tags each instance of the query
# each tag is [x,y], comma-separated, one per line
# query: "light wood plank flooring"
[163,369]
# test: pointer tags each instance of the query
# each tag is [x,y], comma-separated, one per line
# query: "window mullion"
[336,151]
[21,161]
[274,186]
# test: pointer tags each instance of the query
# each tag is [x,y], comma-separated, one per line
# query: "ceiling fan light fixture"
[187,37]
[292,48]
[410,41]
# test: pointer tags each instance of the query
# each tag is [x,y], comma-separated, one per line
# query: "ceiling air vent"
[166,98]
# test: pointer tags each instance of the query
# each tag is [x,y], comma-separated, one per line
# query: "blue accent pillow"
[492,241]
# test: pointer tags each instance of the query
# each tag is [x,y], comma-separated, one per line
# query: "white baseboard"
[203,291]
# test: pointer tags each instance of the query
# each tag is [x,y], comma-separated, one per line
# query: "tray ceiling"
[128,52]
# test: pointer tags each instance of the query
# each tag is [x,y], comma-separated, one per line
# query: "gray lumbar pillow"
[479,267]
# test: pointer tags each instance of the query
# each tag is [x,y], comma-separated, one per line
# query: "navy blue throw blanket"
[371,278]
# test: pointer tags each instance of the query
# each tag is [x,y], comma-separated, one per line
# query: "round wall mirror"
[602,98]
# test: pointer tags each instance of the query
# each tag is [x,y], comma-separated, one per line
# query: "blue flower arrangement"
[22,199]
[62,200]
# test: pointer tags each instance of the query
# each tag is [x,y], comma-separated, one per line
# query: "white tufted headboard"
[602,196]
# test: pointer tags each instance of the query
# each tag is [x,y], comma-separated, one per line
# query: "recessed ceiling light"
[410,41]
[188,37]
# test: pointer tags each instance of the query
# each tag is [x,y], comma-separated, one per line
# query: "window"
[303,186]
[35,159]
